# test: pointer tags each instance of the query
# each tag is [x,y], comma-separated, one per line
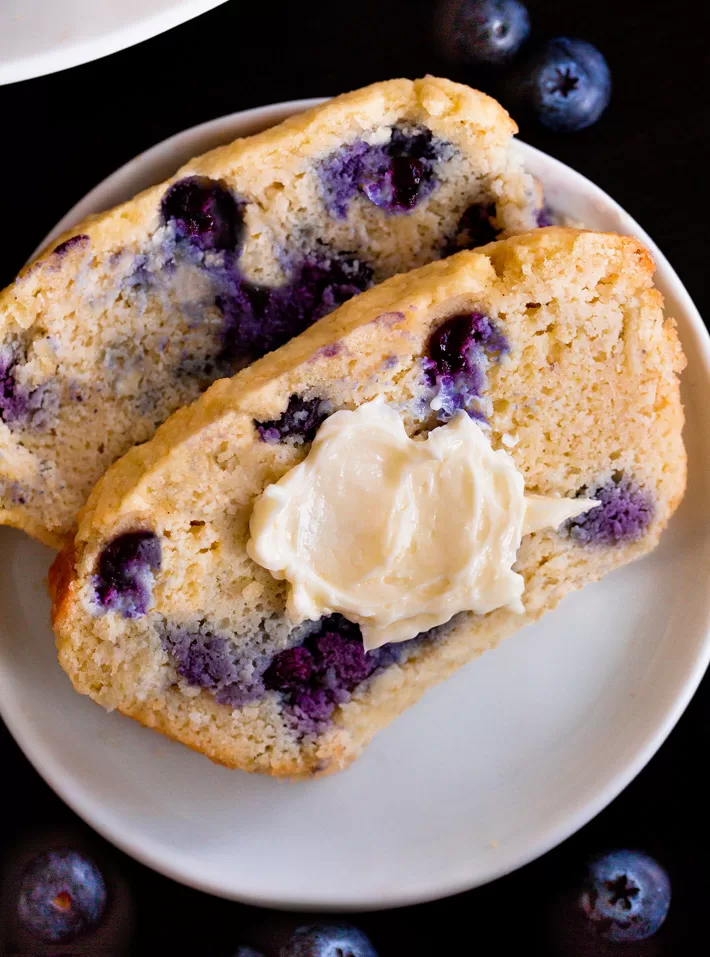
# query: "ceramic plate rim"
[156,855]
[94,48]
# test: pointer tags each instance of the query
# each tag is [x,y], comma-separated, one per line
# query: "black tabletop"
[62,134]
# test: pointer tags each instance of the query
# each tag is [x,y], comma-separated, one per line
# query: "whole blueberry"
[481,31]
[62,895]
[566,84]
[626,895]
[328,940]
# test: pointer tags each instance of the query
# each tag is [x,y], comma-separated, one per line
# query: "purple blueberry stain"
[297,424]
[396,189]
[624,515]
[291,669]
[203,212]
[389,319]
[311,678]
[210,661]
[395,176]
[13,493]
[13,398]
[475,228]
[311,708]
[60,251]
[125,573]
[545,217]
[259,319]
[330,351]
[458,355]
[321,674]
[21,407]
[229,320]
[62,895]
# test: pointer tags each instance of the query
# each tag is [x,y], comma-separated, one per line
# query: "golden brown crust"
[62,575]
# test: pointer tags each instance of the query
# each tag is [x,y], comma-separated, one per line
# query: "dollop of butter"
[399,534]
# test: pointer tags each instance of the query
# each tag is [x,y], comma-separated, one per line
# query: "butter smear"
[399,534]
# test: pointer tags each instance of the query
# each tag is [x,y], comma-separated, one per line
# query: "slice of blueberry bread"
[554,341]
[138,310]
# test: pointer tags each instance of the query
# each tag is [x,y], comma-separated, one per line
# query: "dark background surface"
[62,134]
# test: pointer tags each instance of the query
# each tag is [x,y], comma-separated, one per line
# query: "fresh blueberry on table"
[328,940]
[626,896]
[565,84]
[62,895]
[481,31]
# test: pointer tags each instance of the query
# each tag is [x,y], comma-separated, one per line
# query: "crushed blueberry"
[626,896]
[203,212]
[261,318]
[453,345]
[209,661]
[298,423]
[458,353]
[62,895]
[312,708]
[20,406]
[13,401]
[124,577]
[625,513]
[323,672]
[475,228]
[62,249]
[396,188]
[395,176]
[291,668]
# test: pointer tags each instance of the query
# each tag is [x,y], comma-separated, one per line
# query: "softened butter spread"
[399,534]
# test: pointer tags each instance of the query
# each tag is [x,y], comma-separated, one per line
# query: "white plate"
[508,758]
[43,36]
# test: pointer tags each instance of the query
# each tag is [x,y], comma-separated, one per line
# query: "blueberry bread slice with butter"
[295,558]
[138,310]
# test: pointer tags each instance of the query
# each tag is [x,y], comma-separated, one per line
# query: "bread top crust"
[402,308]
[252,161]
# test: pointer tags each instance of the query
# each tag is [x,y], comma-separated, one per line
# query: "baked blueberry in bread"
[138,310]
[553,342]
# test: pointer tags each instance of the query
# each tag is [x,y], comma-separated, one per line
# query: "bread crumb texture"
[587,382]
[136,311]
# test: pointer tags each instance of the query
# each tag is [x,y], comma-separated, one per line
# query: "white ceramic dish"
[508,758]
[43,36]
